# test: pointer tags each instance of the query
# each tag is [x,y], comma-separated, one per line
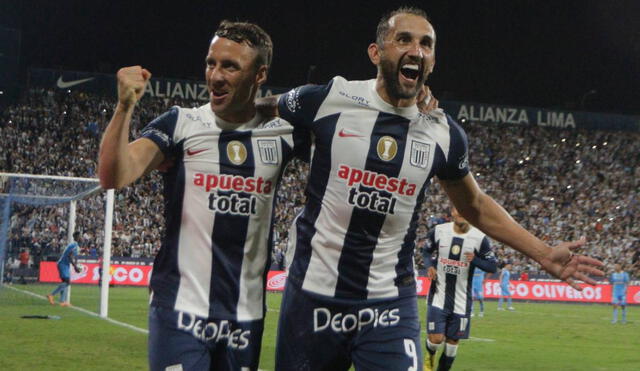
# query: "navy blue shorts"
[452,325]
[188,342]
[316,332]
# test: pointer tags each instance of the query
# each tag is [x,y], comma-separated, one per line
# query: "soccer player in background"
[208,286]
[350,296]
[505,292]
[67,259]
[619,282]
[477,291]
[452,253]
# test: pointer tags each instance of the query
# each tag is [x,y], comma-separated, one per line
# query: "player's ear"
[261,75]
[374,53]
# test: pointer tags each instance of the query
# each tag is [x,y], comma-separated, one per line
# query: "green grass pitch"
[537,336]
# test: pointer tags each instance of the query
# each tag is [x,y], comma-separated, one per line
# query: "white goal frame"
[108,224]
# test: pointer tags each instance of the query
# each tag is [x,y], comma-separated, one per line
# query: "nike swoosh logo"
[67,84]
[195,152]
[344,134]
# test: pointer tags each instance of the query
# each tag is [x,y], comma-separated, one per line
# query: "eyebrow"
[407,33]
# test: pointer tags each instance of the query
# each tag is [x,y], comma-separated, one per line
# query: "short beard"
[392,84]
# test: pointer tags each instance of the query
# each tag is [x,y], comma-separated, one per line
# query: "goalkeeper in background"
[67,259]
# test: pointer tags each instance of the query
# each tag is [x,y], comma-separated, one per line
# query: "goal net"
[38,216]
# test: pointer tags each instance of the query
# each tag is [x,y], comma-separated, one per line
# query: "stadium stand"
[561,184]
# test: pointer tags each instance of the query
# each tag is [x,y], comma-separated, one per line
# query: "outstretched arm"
[120,162]
[487,215]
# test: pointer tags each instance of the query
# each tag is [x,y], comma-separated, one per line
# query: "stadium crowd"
[560,184]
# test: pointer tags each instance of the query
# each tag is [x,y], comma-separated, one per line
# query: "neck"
[238,117]
[461,228]
[381,88]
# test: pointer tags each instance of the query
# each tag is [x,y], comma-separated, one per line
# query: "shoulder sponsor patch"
[464,161]
[292,99]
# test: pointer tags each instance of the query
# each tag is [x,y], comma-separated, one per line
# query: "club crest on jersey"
[236,152]
[420,154]
[268,151]
[387,148]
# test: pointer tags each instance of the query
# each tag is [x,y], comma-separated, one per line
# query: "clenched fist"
[131,84]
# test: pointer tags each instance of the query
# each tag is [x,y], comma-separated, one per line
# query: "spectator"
[24,259]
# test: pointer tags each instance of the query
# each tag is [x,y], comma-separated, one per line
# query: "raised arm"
[487,215]
[120,162]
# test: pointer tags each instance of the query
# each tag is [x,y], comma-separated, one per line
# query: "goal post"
[34,195]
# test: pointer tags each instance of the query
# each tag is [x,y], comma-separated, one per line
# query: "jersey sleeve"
[457,165]
[485,259]
[300,105]
[161,130]
[301,143]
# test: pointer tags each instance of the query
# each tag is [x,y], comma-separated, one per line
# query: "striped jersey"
[445,250]
[219,199]
[371,164]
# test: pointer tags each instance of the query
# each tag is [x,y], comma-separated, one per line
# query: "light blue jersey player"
[620,281]
[505,276]
[67,259]
[477,290]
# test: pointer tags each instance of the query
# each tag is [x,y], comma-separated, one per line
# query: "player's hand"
[469,256]
[131,84]
[78,270]
[567,266]
[432,274]
[426,101]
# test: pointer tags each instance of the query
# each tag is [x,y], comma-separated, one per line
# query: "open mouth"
[218,95]
[410,71]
